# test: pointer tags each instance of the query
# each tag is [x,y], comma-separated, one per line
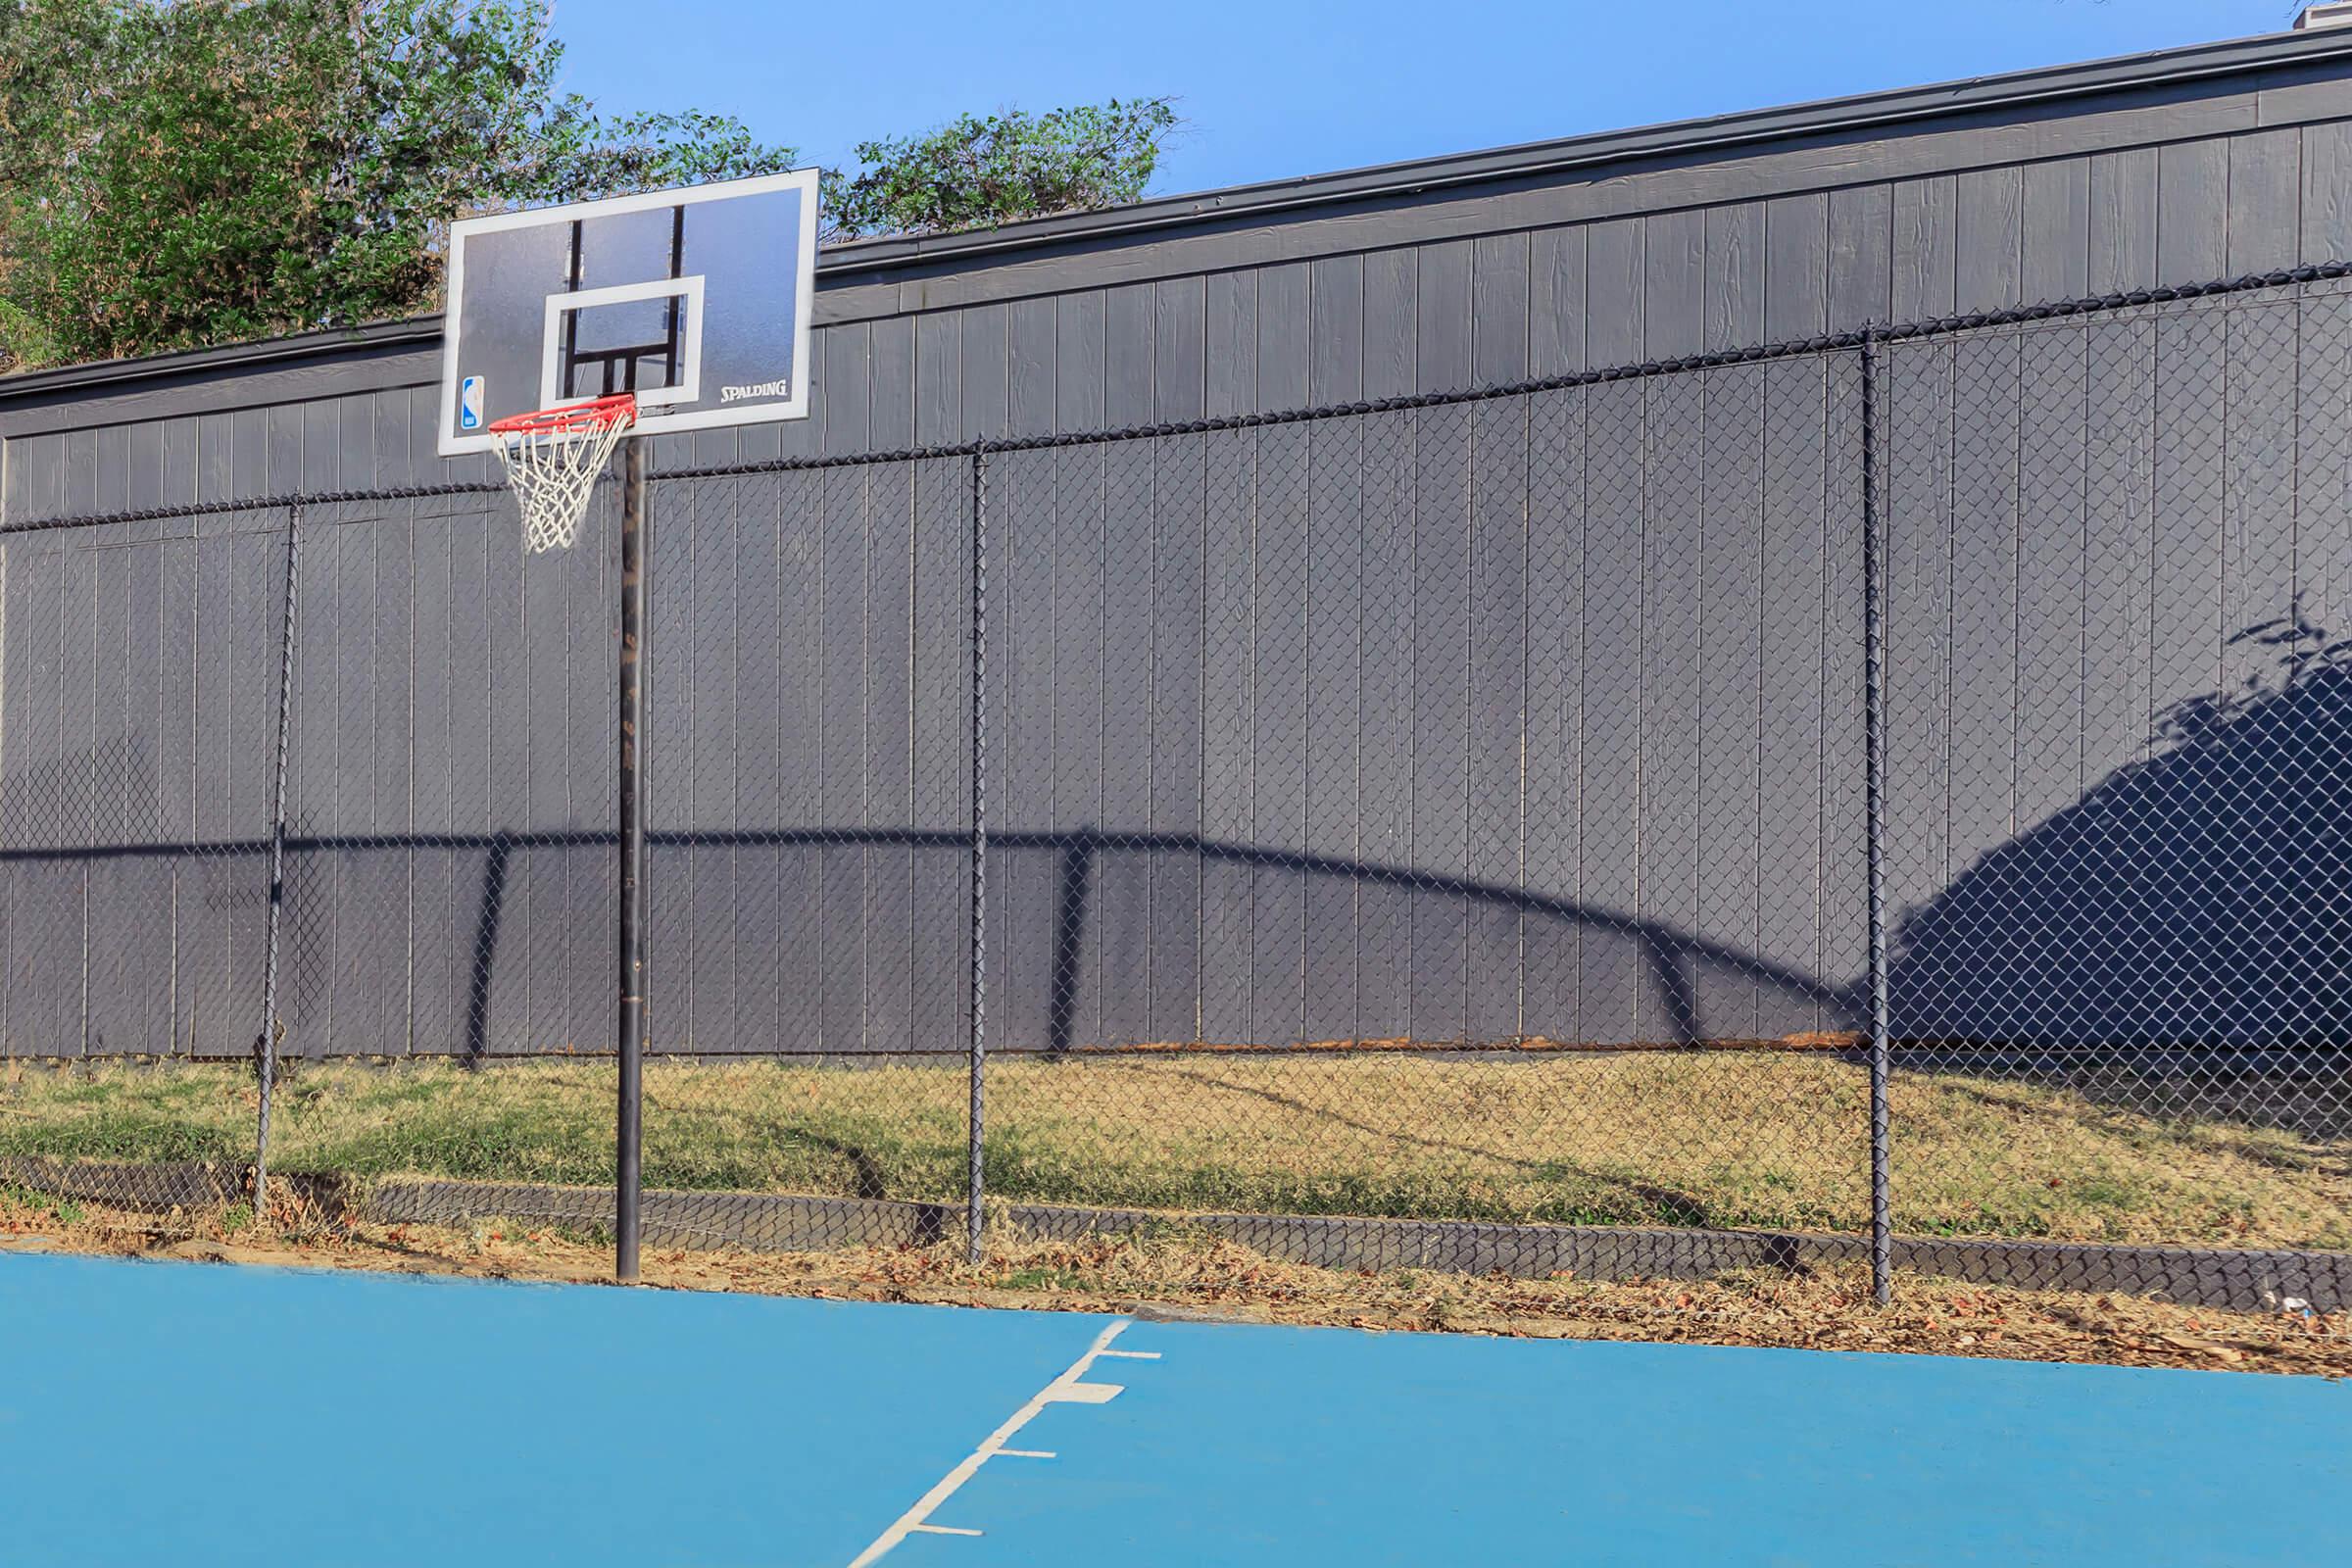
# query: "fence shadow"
[2189,920]
[1065,974]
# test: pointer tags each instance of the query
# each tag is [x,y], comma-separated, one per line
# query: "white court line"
[1067,1389]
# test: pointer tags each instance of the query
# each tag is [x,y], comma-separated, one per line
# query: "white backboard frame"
[651,420]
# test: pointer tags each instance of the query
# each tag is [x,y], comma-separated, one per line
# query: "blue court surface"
[195,1414]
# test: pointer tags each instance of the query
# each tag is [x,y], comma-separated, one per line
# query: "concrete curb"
[2215,1277]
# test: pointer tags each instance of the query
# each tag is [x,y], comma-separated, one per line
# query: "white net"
[552,467]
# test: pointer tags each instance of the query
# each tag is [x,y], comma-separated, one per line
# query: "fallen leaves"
[1197,1276]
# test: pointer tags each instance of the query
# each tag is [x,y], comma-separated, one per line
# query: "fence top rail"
[1763,352]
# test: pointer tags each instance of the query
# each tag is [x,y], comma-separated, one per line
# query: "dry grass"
[1190,1275]
[1767,1139]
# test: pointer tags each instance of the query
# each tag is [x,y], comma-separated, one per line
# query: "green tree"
[977,171]
[175,174]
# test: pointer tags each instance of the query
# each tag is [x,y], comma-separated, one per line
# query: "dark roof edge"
[388,335]
[2154,67]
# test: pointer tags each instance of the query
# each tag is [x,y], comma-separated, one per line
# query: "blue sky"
[1273,88]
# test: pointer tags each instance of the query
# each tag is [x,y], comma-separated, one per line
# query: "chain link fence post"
[975,1189]
[266,1048]
[1874,743]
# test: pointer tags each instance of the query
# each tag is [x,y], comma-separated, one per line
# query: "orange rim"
[618,409]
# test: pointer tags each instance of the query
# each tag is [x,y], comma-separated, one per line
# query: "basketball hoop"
[553,457]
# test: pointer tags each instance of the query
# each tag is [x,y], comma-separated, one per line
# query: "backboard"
[695,300]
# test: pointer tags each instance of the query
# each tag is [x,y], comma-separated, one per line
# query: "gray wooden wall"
[1320,617]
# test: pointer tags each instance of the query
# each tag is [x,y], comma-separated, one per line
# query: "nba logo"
[469,404]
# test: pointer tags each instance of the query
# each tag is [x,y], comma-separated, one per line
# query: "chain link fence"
[1879,795]
[143,683]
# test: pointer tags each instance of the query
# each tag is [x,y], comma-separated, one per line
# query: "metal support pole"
[975,1189]
[636,528]
[1873,750]
[266,1048]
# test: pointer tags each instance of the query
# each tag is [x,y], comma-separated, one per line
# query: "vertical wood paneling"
[2323,448]
[1121,904]
[2325,210]
[891,395]
[1797,268]
[940,613]
[1128,340]
[1081,643]
[2123,220]
[1673,293]
[1926,248]
[127,1011]
[1276,654]
[1440,719]
[1989,237]
[1285,324]
[1179,597]
[1982,784]
[176,769]
[1335,329]
[255,606]
[2192,209]
[701,525]
[1496,837]
[1180,344]
[1498,305]
[2119,564]
[1861,256]
[1034,349]
[801,693]
[1919,620]
[144,464]
[437,1022]
[1555,300]
[1229,328]
[1390,330]
[1614,275]
[1442,344]
[888,742]
[1673,619]
[1385,819]
[1023,885]
[2266,179]
[2260,383]
[749,547]
[1611,629]
[2057,229]
[1729,578]
[1078,361]
[1732,280]
[1551,936]
[839,913]
[2053,501]
[987,376]
[1228,724]
[1334,722]
[938,380]
[44,982]
[1793,750]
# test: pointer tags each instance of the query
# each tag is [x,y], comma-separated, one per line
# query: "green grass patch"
[1763,1140]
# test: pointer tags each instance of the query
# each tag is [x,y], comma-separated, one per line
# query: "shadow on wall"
[2201,897]
[1329,947]
[2198,901]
